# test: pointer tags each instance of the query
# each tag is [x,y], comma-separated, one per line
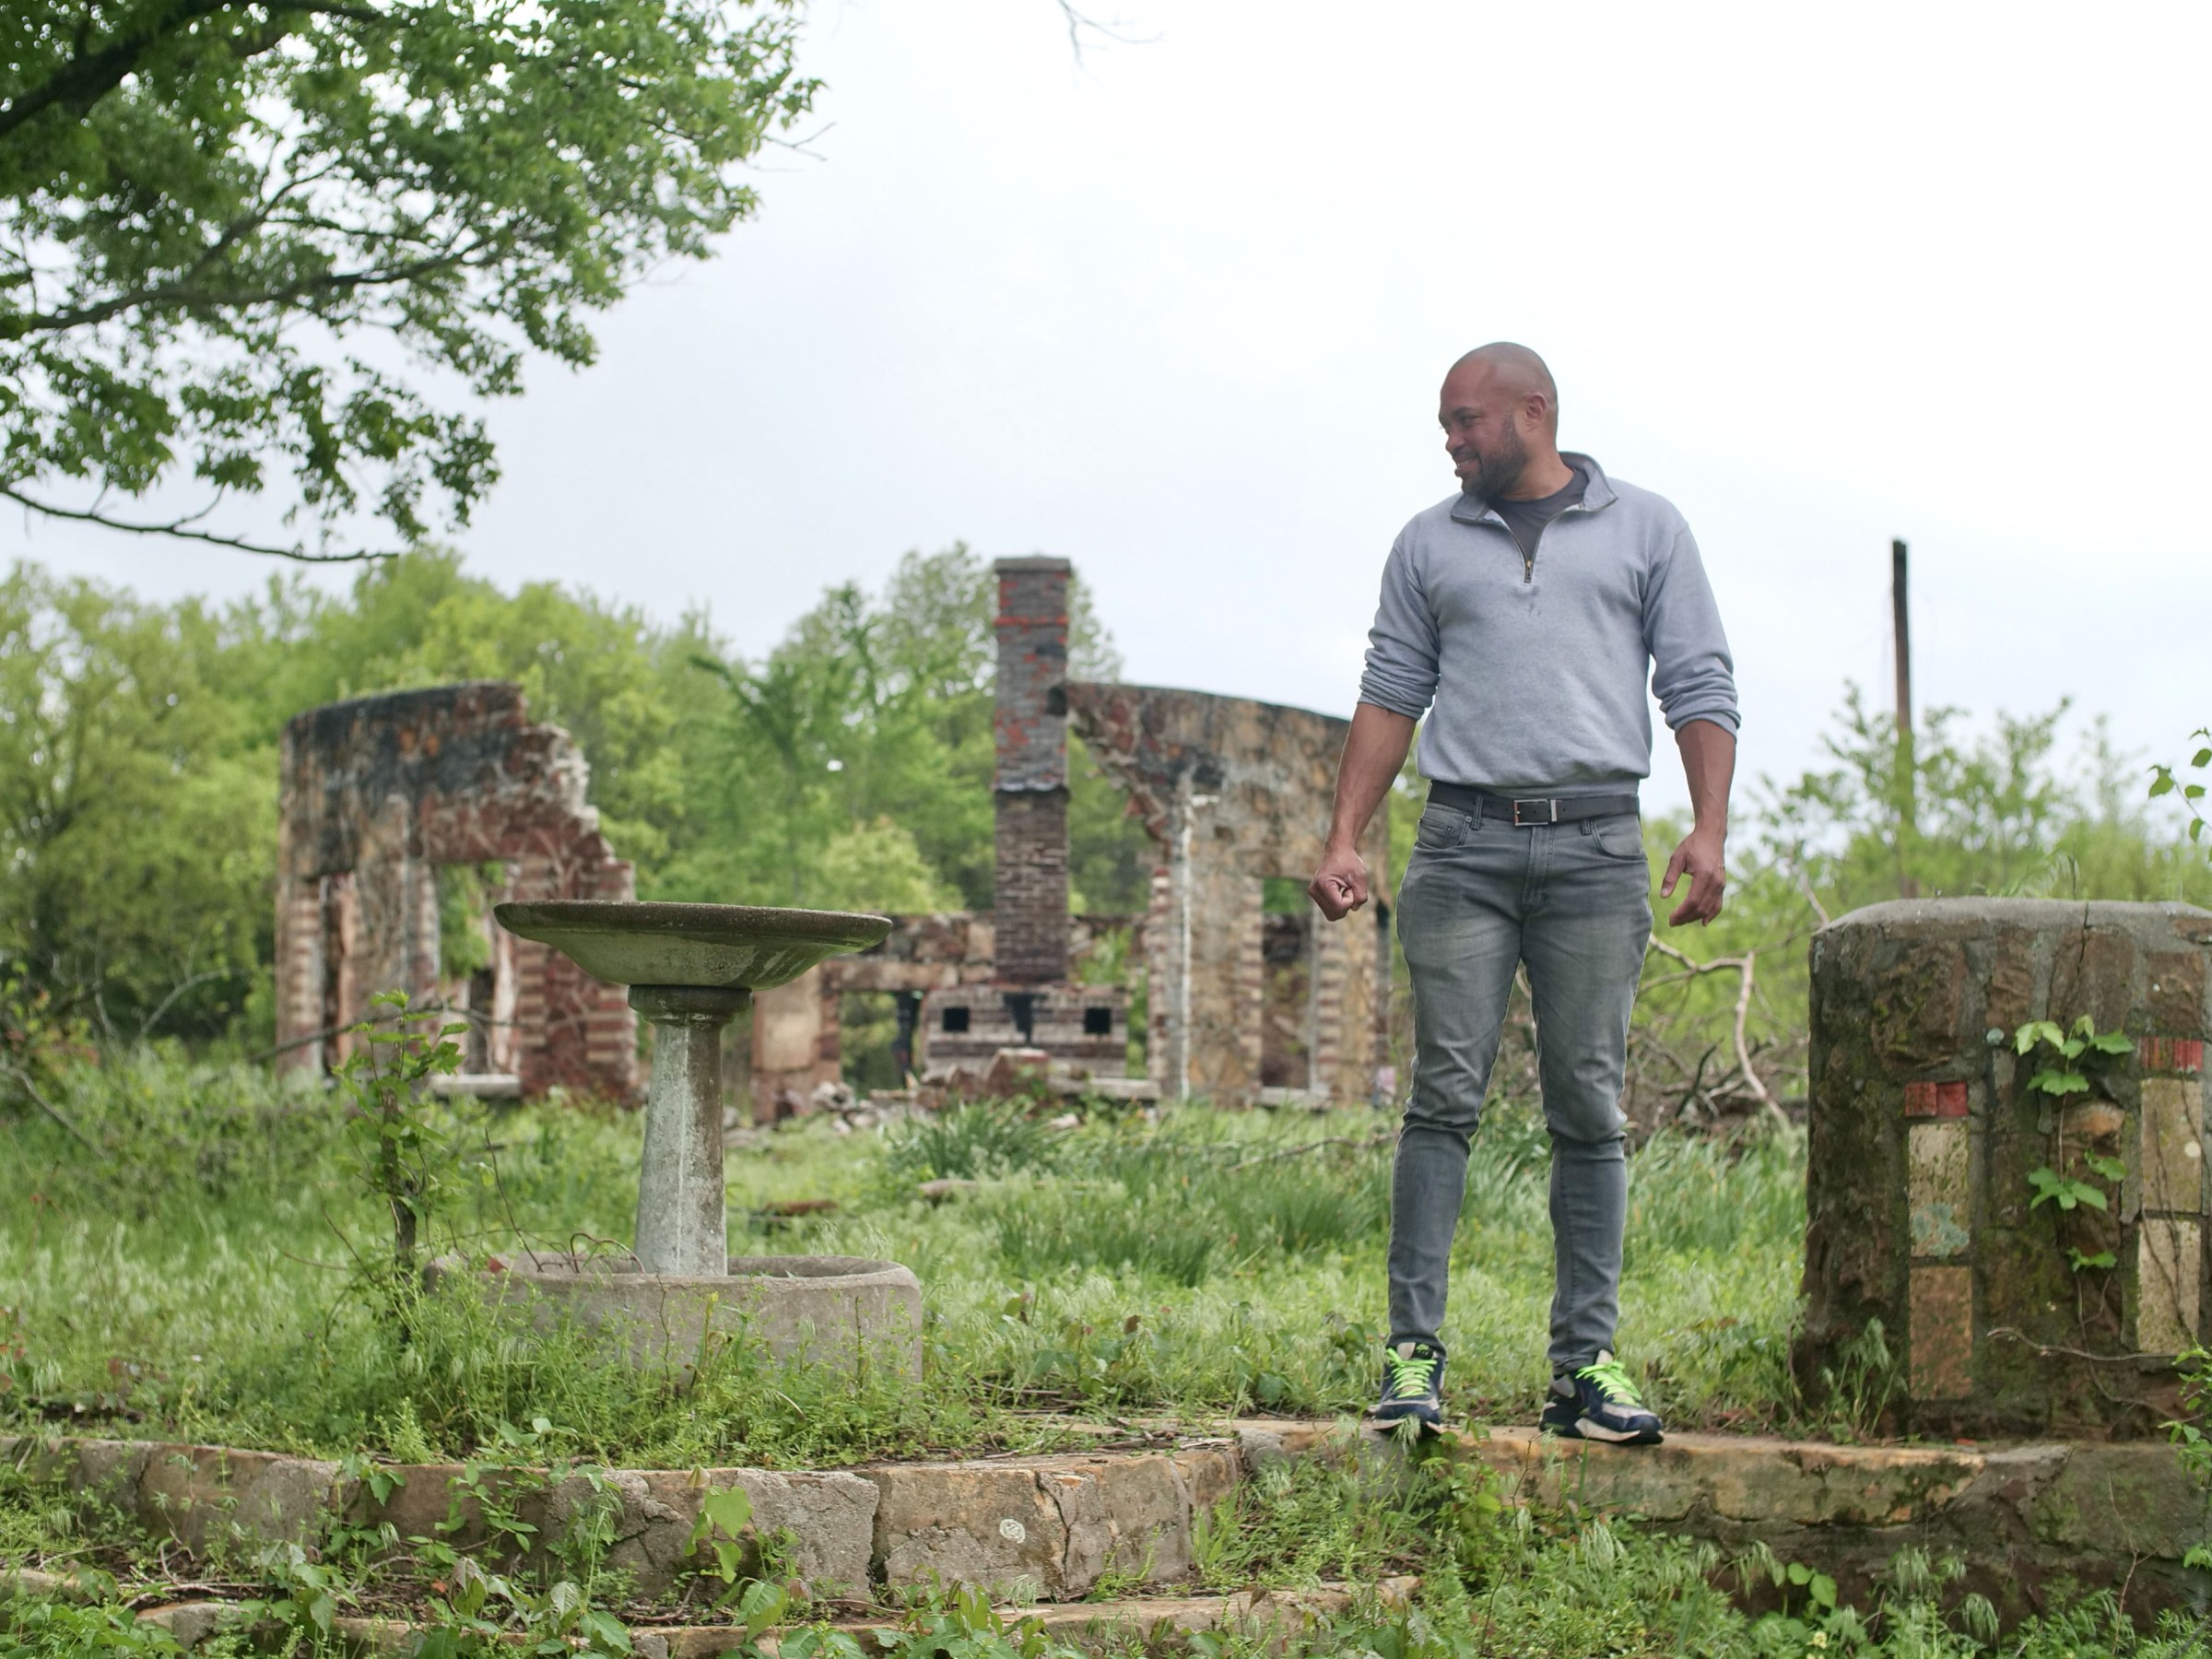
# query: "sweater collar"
[1598,494]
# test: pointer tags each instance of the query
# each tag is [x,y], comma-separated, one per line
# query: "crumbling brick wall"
[378,793]
[1234,792]
[797,1043]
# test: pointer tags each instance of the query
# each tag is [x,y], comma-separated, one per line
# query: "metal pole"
[1906,780]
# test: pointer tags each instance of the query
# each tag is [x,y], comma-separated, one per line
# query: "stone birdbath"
[691,969]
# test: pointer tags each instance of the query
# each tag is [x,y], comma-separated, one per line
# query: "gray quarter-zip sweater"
[1537,666]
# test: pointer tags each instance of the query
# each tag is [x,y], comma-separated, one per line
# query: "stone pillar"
[1030,783]
[683,1209]
[2006,1316]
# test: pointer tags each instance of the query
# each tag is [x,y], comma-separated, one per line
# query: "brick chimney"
[1031,785]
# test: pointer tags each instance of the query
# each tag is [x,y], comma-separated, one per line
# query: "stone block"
[2009,999]
[2172,1148]
[1209,1473]
[1942,1315]
[1916,1004]
[2092,972]
[2120,1499]
[1938,1187]
[206,1497]
[1123,1515]
[2168,1270]
[825,1523]
[966,1524]
[2175,994]
[1048,1527]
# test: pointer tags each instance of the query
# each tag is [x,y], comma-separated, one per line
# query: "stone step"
[1093,1626]
[1050,1528]
[2121,1515]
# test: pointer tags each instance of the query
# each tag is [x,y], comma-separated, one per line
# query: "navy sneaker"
[1413,1376]
[1599,1403]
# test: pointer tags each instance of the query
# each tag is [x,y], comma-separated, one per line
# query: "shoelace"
[1410,1376]
[1612,1380]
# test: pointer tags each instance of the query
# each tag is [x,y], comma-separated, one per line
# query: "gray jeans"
[1573,902]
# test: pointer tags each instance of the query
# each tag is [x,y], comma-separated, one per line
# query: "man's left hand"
[1700,858]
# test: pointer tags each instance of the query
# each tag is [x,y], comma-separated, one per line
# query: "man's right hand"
[1339,887]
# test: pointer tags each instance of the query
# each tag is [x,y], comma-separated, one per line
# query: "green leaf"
[2112,1169]
[729,1508]
[2113,1043]
[1824,1589]
[2053,1081]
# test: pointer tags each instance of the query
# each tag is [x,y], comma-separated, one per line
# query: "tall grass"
[1212,1261]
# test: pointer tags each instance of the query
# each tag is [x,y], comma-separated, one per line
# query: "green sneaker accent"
[1411,1375]
[1611,1378]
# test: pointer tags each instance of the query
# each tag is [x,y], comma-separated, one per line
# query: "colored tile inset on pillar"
[1937,1194]
[2169,1257]
[1943,1332]
[2185,1055]
[2173,1147]
[1935,1100]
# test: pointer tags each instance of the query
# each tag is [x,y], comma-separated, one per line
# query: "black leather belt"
[1528,810]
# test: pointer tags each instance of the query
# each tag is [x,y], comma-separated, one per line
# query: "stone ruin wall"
[1234,792]
[1244,1006]
[797,1043]
[1923,1132]
[378,793]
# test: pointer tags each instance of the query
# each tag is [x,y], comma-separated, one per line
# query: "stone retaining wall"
[1052,1528]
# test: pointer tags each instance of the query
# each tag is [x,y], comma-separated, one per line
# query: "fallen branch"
[1359,1143]
[1745,967]
[55,1112]
[2043,1351]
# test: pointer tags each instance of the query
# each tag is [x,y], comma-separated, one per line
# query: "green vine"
[2073,1060]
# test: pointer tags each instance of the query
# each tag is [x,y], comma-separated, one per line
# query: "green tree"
[873,706]
[137,807]
[228,224]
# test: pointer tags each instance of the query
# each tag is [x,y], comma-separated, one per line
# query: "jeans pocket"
[1619,837]
[1440,829]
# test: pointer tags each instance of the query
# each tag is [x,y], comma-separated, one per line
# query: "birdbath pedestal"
[691,969]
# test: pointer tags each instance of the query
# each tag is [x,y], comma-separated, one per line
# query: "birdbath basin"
[691,969]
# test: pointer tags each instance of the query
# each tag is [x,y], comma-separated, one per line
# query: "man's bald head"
[1518,372]
[1500,416]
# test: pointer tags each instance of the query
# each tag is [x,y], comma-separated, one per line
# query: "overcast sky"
[1822,274]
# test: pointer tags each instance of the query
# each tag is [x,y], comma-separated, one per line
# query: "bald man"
[1520,616]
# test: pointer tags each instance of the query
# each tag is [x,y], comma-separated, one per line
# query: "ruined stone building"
[1243,1005]
[377,797]
[405,817]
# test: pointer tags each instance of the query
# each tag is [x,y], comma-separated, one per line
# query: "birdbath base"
[691,969]
[847,1313]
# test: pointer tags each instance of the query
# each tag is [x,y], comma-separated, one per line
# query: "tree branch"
[31,1090]
[186,298]
[1745,967]
[180,530]
[84,80]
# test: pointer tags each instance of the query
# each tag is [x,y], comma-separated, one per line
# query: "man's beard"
[1500,470]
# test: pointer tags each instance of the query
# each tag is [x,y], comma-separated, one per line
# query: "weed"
[973,1142]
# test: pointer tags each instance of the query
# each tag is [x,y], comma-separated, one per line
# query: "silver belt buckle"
[1552,808]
